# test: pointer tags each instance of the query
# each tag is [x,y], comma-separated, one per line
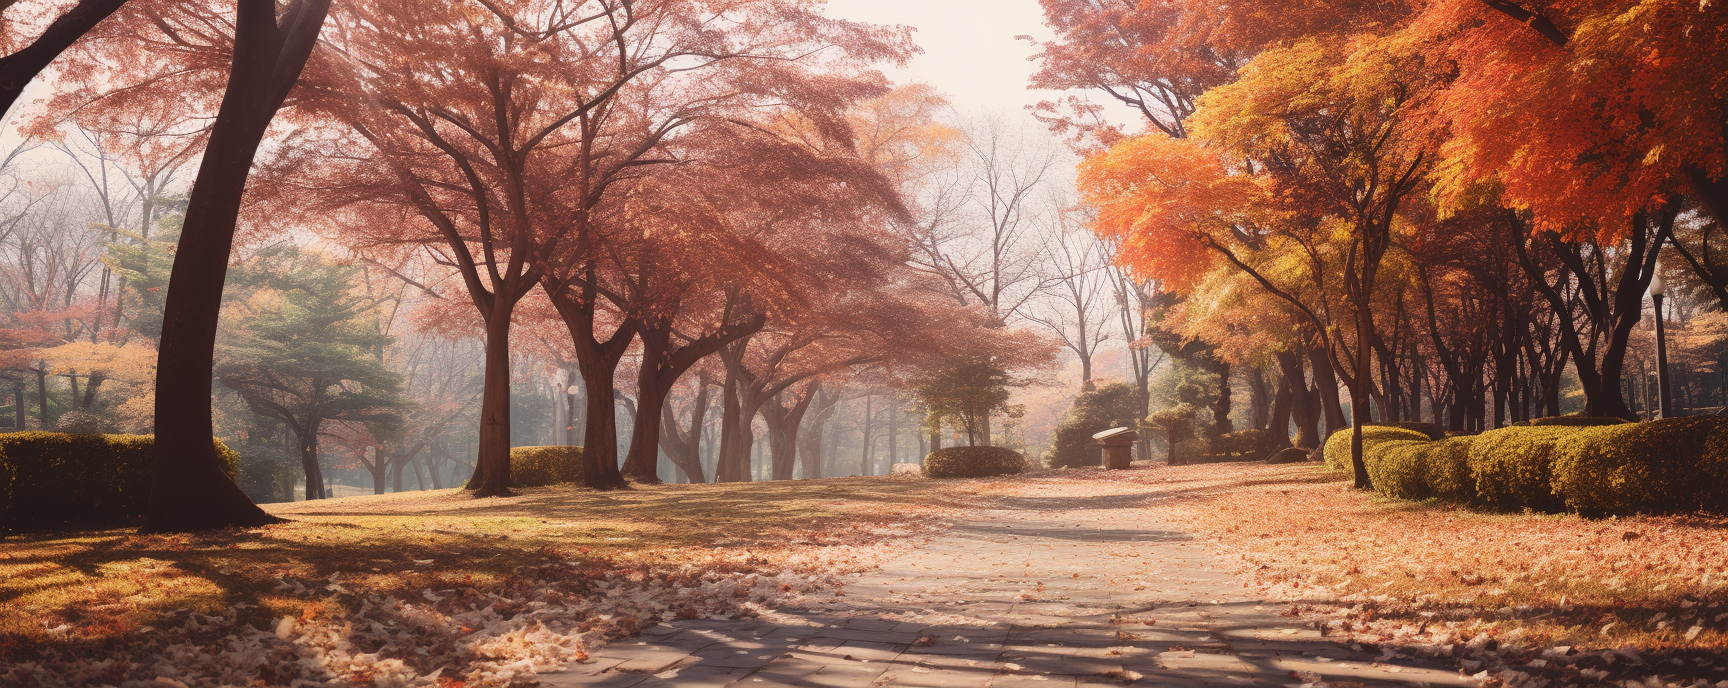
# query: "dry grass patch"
[66,591]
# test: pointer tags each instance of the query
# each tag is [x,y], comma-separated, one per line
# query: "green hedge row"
[973,462]
[1588,466]
[539,466]
[54,479]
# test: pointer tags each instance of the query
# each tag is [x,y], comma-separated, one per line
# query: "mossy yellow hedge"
[1337,452]
[1513,467]
[540,466]
[1421,469]
[973,462]
[1658,466]
[56,479]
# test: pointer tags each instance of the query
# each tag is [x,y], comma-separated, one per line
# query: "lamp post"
[1667,405]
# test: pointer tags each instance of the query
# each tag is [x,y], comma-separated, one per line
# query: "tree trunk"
[379,468]
[492,460]
[19,68]
[864,462]
[727,468]
[641,462]
[1279,425]
[1304,402]
[309,460]
[1221,409]
[685,451]
[1326,383]
[783,422]
[42,398]
[1363,389]
[1260,399]
[189,490]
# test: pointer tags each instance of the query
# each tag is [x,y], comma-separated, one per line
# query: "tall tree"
[189,490]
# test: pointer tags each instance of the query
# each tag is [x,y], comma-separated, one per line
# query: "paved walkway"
[1044,592]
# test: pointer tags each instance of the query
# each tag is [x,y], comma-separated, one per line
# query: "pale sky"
[969,49]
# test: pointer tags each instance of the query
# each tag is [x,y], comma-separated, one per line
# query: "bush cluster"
[1590,466]
[1113,405]
[55,479]
[1337,448]
[1250,442]
[973,462]
[541,466]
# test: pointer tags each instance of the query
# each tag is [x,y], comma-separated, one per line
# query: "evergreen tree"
[306,348]
[1114,405]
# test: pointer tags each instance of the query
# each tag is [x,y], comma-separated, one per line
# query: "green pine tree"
[305,347]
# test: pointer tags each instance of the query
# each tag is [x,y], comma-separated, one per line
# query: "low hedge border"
[973,462]
[541,466]
[1336,452]
[55,479]
[1593,466]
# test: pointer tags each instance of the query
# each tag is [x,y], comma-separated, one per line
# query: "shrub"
[1576,421]
[1114,405]
[1657,466]
[1447,469]
[1337,452]
[1248,442]
[973,462]
[57,479]
[1513,467]
[540,466]
[1421,469]
[1432,430]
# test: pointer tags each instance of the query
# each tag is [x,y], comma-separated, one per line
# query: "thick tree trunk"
[1260,399]
[1304,402]
[641,462]
[598,362]
[492,458]
[379,468]
[600,432]
[308,441]
[662,365]
[1279,424]
[189,490]
[731,462]
[1326,383]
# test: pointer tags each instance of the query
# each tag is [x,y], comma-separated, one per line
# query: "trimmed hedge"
[54,479]
[1250,442]
[1337,448]
[1590,465]
[1433,431]
[541,466]
[1422,469]
[1513,467]
[1674,464]
[973,462]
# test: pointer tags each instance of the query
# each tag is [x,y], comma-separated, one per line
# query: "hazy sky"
[969,49]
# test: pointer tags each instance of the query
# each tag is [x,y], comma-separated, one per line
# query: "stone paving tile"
[1049,592]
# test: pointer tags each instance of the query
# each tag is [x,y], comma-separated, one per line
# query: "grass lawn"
[72,591]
